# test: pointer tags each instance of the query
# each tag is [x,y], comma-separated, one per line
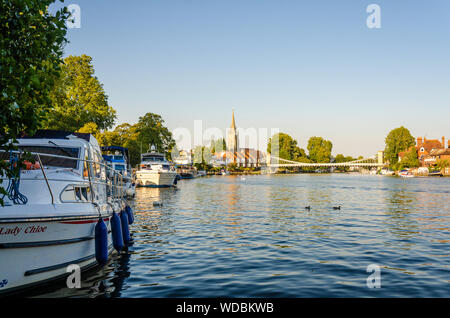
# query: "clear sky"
[309,68]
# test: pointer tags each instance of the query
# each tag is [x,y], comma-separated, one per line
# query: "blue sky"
[310,68]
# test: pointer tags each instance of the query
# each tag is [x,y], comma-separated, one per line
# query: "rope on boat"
[12,190]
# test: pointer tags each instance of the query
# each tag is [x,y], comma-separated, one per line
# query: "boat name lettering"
[16,230]
[10,231]
[35,229]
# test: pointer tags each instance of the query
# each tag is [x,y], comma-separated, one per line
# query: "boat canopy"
[57,134]
[109,153]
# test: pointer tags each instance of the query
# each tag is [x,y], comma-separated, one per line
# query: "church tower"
[232,141]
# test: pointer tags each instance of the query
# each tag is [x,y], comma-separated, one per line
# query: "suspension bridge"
[275,162]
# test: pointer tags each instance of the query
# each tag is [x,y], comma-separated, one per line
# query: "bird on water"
[337,207]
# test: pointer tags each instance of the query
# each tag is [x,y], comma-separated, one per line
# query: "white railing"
[116,179]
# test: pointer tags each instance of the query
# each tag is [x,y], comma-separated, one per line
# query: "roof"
[123,150]
[440,152]
[114,148]
[57,134]
[428,145]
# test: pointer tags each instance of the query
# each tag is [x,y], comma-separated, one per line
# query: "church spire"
[233,124]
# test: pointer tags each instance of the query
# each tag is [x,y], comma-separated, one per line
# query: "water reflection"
[222,236]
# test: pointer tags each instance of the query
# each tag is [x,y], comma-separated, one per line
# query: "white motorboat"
[155,171]
[118,159]
[406,174]
[387,172]
[58,210]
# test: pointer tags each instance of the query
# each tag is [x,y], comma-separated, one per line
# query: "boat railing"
[113,178]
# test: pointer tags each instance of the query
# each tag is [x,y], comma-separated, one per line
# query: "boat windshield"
[119,167]
[152,158]
[59,151]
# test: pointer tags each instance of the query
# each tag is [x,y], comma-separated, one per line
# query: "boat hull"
[155,179]
[37,252]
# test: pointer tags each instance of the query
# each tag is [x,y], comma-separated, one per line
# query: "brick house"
[429,151]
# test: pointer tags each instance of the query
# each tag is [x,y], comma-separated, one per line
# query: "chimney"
[443,142]
[419,141]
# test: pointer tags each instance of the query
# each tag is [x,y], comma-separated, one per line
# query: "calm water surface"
[251,237]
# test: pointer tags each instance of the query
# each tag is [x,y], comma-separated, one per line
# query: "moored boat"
[155,171]
[435,174]
[406,174]
[57,210]
[118,159]
[187,171]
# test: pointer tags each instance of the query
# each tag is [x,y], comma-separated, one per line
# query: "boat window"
[152,158]
[73,193]
[59,151]
[96,165]
[119,167]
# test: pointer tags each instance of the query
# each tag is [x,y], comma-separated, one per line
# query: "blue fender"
[101,242]
[130,214]
[116,229]
[125,228]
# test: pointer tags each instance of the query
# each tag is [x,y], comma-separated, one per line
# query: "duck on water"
[65,208]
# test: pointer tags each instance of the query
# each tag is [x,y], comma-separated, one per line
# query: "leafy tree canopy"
[138,138]
[319,149]
[78,98]
[285,146]
[31,45]
[218,145]
[409,160]
[202,156]
[398,140]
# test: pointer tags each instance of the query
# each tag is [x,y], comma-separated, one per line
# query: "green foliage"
[151,131]
[398,140]
[31,44]
[79,98]
[410,160]
[441,164]
[138,138]
[319,149]
[201,157]
[284,146]
[340,158]
[218,145]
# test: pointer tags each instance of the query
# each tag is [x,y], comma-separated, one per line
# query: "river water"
[251,236]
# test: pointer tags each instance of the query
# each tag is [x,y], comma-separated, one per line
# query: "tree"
[31,46]
[202,156]
[409,160]
[319,150]
[441,164]
[398,140]
[218,145]
[78,98]
[285,147]
[151,131]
